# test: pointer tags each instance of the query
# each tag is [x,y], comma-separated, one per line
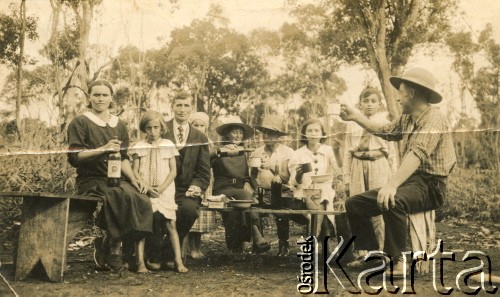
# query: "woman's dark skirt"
[125,212]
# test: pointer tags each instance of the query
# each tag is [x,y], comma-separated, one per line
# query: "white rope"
[11,289]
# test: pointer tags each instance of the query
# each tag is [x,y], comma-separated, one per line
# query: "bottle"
[114,168]
[276,188]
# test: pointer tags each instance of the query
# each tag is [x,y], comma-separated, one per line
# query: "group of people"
[166,175]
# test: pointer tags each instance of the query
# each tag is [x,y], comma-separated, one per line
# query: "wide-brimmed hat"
[232,122]
[272,123]
[420,77]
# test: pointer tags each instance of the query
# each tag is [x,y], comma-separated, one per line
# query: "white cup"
[255,162]
[334,108]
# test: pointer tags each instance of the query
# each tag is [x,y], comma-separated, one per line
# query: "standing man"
[428,157]
[193,176]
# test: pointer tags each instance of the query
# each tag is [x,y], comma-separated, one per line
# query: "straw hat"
[420,77]
[233,122]
[272,123]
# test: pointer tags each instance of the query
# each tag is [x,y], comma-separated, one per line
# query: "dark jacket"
[193,163]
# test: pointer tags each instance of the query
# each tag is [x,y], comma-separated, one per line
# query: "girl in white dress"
[315,167]
[322,164]
[369,162]
[154,163]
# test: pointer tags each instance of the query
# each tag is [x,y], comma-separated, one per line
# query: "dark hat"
[232,122]
[421,77]
[272,123]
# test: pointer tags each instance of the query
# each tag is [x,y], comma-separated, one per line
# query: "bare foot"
[197,255]
[181,268]
[142,269]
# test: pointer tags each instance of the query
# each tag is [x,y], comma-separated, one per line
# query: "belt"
[368,155]
[234,180]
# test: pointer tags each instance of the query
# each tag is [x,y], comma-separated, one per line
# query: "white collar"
[185,126]
[161,143]
[323,149]
[113,120]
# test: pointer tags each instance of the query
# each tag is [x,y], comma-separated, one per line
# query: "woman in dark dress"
[231,178]
[92,136]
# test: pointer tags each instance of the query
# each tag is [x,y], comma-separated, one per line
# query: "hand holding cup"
[348,113]
[265,163]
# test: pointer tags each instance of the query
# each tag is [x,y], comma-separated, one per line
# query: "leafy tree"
[215,63]
[381,34]
[63,46]
[483,83]
[10,29]
[13,31]
[67,50]
[307,71]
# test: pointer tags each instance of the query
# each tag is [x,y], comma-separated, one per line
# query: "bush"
[35,164]
[472,194]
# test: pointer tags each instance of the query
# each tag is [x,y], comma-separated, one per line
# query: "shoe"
[101,250]
[284,248]
[114,262]
[398,268]
[238,255]
[261,247]
[360,263]
[246,248]
[167,265]
[152,265]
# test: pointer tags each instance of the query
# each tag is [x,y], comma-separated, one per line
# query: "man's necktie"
[181,134]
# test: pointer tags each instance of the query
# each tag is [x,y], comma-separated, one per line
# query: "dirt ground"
[258,275]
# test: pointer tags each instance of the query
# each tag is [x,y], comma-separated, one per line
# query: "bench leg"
[315,224]
[42,237]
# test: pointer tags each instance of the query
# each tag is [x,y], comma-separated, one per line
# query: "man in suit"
[193,163]
[193,172]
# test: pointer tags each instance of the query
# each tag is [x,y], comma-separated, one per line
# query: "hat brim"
[262,129]
[224,128]
[435,97]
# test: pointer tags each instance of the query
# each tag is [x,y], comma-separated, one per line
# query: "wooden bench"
[48,220]
[422,230]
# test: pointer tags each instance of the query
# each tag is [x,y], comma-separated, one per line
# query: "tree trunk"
[86,19]
[20,68]
[373,23]
[56,11]
[383,73]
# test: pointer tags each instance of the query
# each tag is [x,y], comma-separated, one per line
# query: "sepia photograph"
[249,148]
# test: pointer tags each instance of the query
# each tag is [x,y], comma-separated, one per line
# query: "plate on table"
[218,198]
[242,204]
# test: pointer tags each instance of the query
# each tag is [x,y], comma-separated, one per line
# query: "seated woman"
[92,136]
[315,158]
[231,178]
